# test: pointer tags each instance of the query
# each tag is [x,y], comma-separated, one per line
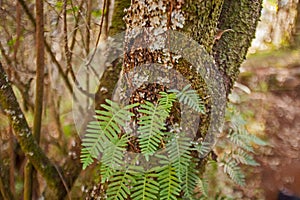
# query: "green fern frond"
[146,187]
[234,171]
[101,132]
[203,148]
[168,183]
[243,157]
[189,181]
[203,186]
[113,156]
[240,140]
[118,188]
[189,97]
[167,100]
[93,144]
[151,127]
[254,139]
[178,149]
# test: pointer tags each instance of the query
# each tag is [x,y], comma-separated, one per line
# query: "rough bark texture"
[34,153]
[231,50]
[202,18]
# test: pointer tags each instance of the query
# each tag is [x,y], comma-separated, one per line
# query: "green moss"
[117,24]
[231,50]
[202,20]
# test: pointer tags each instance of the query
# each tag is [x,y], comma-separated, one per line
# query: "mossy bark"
[29,145]
[202,18]
[231,50]
[111,75]
[4,182]
[117,23]
[202,21]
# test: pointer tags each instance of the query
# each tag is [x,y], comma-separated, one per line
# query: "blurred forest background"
[267,95]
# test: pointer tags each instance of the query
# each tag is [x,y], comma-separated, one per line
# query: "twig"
[98,37]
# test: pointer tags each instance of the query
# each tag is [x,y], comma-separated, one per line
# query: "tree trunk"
[295,41]
[225,29]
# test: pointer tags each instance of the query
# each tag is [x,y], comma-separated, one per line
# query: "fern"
[151,127]
[244,139]
[113,156]
[169,183]
[167,100]
[118,187]
[203,186]
[203,148]
[178,149]
[234,171]
[146,187]
[243,157]
[189,97]
[190,180]
[101,132]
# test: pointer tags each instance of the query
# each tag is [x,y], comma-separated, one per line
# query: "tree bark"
[4,183]
[30,174]
[295,41]
[29,145]
[231,50]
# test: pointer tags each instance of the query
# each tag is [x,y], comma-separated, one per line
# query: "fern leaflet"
[203,186]
[169,183]
[234,171]
[243,157]
[145,187]
[189,97]
[113,156]
[189,181]
[118,187]
[151,127]
[167,100]
[101,132]
[178,149]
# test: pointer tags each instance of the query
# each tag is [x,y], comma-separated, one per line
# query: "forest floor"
[274,82]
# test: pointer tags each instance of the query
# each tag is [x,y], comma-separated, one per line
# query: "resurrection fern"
[152,124]
[113,157]
[189,97]
[203,148]
[178,149]
[146,187]
[234,171]
[203,187]
[106,137]
[167,100]
[119,183]
[169,183]
[102,132]
[189,181]
[243,157]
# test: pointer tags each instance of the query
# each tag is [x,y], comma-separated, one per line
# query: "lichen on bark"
[29,145]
